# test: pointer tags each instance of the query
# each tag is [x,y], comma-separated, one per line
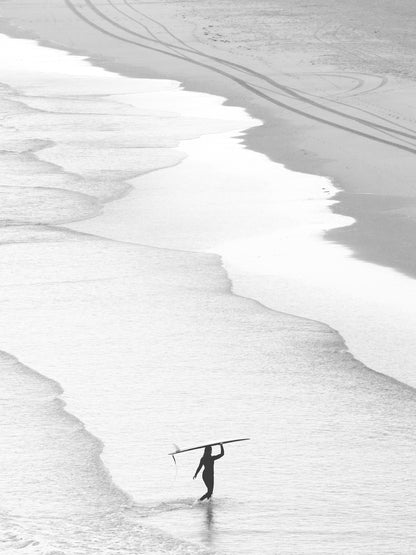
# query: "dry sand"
[333,81]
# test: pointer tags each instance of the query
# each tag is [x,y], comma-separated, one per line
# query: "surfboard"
[207,445]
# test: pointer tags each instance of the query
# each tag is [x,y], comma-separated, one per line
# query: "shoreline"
[270,241]
[346,328]
[308,147]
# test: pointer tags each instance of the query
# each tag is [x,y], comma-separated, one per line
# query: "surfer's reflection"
[209,534]
[207,462]
[210,517]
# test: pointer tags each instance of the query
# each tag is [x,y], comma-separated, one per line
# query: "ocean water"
[121,335]
[268,223]
[57,497]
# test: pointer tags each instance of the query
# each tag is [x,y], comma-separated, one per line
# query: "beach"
[179,266]
[319,76]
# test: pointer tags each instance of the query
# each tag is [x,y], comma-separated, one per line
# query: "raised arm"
[198,469]
[221,454]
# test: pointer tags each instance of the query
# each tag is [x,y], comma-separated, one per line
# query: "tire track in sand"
[160,47]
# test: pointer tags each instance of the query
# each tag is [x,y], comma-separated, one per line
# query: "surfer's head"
[208,451]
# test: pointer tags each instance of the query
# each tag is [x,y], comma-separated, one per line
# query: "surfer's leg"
[210,486]
[209,482]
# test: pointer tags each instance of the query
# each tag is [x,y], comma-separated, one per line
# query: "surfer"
[207,461]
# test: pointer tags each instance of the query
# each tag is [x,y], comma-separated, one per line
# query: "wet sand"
[332,81]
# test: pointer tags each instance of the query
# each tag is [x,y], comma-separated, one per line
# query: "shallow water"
[56,496]
[150,347]
[332,443]
[267,223]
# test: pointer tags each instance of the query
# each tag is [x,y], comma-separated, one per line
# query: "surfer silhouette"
[207,461]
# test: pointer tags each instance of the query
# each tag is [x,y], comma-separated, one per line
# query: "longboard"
[208,445]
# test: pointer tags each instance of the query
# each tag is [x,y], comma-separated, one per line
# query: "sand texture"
[333,83]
